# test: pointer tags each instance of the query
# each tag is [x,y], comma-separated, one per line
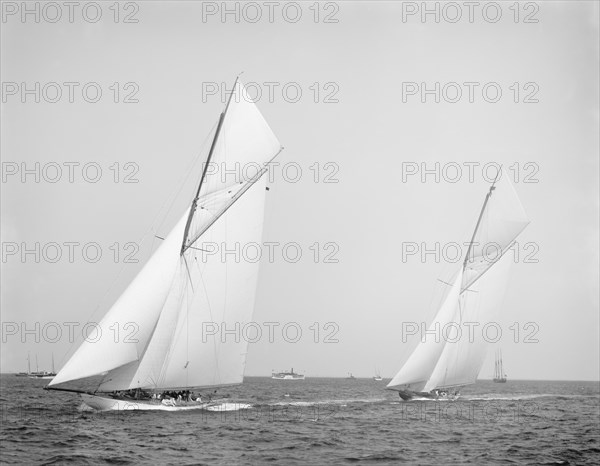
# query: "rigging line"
[187,328]
[188,272]
[210,314]
[100,384]
[445,283]
[217,370]
[199,249]
[225,294]
[183,180]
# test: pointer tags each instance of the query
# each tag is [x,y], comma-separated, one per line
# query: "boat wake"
[516,397]
[228,407]
[422,398]
[328,402]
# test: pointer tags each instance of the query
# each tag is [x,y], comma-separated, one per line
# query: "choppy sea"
[316,421]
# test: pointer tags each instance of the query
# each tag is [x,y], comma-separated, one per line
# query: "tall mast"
[210,153]
[28,363]
[487,198]
[496,365]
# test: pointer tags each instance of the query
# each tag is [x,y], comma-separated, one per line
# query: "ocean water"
[316,421]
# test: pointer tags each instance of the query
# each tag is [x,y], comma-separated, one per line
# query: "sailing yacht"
[37,374]
[377,377]
[46,375]
[440,366]
[28,373]
[178,289]
[499,375]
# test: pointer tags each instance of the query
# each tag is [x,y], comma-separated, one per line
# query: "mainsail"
[452,351]
[182,287]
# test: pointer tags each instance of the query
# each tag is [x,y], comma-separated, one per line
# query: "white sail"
[209,290]
[224,298]
[464,353]
[503,219]
[140,306]
[181,288]
[415,373]
[457,358]
[241,153]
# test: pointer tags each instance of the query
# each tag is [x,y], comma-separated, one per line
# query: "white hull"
[435,395]
[101,403]
[288,377]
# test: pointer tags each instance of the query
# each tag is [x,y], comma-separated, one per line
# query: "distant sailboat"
[377,376]
[43,374]
[438,368]
[26,374]
[179,289]
[499,375]
[350,376]
[37,374]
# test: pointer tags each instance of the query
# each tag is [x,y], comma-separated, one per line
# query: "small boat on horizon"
[287,375]
[350,376]
[377,377]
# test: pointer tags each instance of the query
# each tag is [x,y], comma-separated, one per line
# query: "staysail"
[450,354]
[187,289]
[418,368]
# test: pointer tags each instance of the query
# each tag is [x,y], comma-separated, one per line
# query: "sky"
[358,131]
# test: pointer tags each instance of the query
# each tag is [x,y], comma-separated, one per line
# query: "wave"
[520,397]
[329,401]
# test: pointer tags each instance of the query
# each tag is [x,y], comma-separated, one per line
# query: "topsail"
[181,288]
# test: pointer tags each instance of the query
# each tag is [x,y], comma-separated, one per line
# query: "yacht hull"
[103,403]
[435,395]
